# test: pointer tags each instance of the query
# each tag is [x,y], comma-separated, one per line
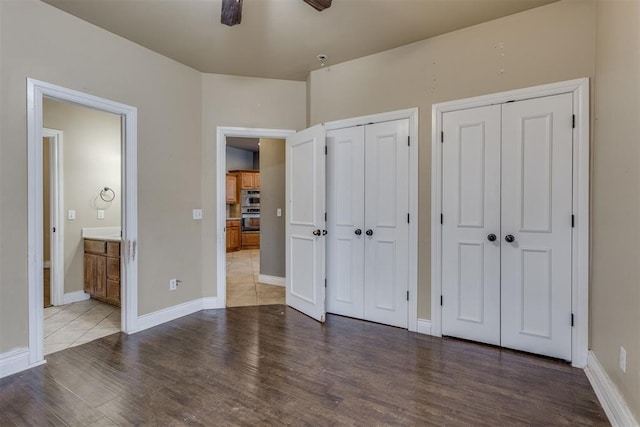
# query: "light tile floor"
[243,288]
[78,323]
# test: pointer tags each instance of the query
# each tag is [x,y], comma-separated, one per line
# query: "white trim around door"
[222,132]
[36,91]
[56,183]
[580,239]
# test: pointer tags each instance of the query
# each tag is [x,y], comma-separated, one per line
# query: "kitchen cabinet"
[233,235]
[248,180]
[102,270]
[232,189]
[250,240]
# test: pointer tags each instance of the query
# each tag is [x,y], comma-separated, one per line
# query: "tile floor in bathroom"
[243,288]
[74,324]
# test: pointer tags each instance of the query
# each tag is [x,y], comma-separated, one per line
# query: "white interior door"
[471,224]
[386,232]
[305,241]
[536,212]
[345,221]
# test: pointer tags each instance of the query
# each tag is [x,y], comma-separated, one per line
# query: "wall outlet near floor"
[623,359]
[173,284]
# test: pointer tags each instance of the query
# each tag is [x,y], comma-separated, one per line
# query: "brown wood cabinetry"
[250,240]
[232,189]
[102,270]
[247,180]
[233,235]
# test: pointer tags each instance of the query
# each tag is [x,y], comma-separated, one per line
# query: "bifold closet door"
[537,173]
[367,207]
[471,224]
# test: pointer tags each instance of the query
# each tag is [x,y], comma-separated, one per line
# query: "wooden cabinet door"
[232,189]
[233,236]
[246,180]
[95,274]
[256,180]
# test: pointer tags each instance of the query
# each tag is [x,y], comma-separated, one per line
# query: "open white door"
[305,243]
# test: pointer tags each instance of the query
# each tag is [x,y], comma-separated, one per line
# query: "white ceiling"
[281,38]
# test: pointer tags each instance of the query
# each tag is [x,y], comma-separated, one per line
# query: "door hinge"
[407,295]
[325,283]
[325,150]
[573,221]
[441,219]
[441,299]
[441,136]
[573,121]
[408,218]
[325,216]
[54,229]
[571,319]
[409,141]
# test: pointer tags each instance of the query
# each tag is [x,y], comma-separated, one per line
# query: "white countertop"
[112,234]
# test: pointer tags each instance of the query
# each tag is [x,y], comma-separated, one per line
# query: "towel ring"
[107,194]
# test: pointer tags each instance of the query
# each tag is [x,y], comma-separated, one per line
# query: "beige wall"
[272,198]
[239,102]
[615,212]
[91,161]
[39,41]
[543,45]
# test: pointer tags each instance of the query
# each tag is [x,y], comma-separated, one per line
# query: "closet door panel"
[345,216]
[386,228]
[536,210]
[471,212]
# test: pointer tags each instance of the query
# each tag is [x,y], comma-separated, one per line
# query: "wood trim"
[424,326]
[608,394]
[580,243]
[168,314]
[75,296]
[16,360]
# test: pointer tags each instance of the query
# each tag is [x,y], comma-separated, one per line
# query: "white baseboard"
[209,303]
[168,314]
[14,361]
[424,326]
[271,280]
[608,394]
[76,296]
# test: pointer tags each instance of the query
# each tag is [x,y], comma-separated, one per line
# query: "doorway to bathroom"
[102,259]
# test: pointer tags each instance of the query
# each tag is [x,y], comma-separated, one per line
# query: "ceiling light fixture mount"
[322,58]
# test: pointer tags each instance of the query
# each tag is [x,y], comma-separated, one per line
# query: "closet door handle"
[491,237]
[509,238]
[358,232]
[369,232]
[317,232]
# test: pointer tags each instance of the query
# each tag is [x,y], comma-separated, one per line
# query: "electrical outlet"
[278,212]
[197,214]
[71,214]
[623,359]
[100,213]
[173,284]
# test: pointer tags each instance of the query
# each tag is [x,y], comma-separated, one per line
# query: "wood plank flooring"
[270,365]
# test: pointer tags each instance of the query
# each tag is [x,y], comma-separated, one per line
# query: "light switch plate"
[71,214]
[197,214]
[100,213]
[278,212]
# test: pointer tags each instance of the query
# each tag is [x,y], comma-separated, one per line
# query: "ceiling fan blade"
[231,12]
[319,5]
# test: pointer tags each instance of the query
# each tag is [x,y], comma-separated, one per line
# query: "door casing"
[36,91]
[57,197]
[580,239]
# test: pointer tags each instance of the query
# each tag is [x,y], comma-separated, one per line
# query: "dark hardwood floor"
[272,365]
